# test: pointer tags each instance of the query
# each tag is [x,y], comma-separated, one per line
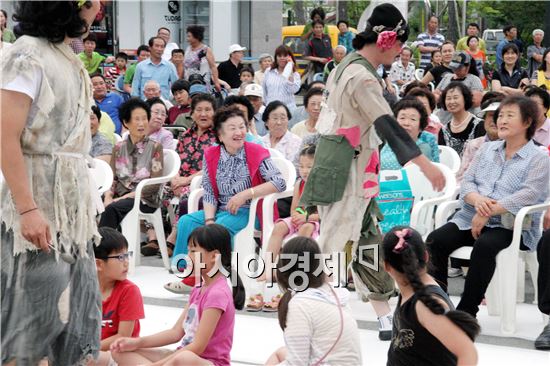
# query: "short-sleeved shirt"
[400,72]
[228,72]
[319,47]
[163,73]
[426,143]
[100,145]
[346,40]
[91,63]
[533,65]
[175,112]
[457,140]
[429,40]
[218,295]
[110,105]
[124,304]
[129,75]
[511,81]
[165,137]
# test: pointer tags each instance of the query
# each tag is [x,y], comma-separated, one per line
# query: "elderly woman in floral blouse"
[135,158]
[234,172]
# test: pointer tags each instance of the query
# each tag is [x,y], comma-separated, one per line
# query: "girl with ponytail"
[316,318]
[205,328]
[427,330]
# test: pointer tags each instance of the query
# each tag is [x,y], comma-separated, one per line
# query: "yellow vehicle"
[291,38]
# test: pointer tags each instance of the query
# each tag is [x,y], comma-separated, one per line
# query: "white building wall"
[224,25]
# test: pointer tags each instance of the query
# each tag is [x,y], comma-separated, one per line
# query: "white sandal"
[178,287]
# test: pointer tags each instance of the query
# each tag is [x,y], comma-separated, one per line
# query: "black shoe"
[384,335]
[151,249]
[543,340]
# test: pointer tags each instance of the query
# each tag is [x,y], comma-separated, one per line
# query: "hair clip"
[402,244]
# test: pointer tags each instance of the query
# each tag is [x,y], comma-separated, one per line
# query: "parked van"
[492,37]
[291,38]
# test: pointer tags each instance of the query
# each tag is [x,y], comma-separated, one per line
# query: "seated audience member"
[412,116]
[151,89]
[504,177]
[426,97]
[276,116]
[112,73]
[265,61]
[176,59]
[478,56]
[312,102]
[91,59]
[541,77]
[339,53]
[135,158]
[204,330]
[107,101]
[234,173]
[299,114]
[246,75]
[244,105]
[543,255]
[542,99]
[142,54]
[436,73]
[191,146]
[318,326]
[101,148]
[511,78]
[122,306]
[255,94]
[155,131]
[402,70]
[463,126]
[179,114]
[490,114]
[464,71]
[282,81]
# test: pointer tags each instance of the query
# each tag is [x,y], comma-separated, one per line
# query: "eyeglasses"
[159,113]
[121,257]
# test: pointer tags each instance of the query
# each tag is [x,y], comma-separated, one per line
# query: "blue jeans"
[188,223]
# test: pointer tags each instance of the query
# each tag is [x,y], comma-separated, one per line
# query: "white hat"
[236,47]
[491,107]
[254,90]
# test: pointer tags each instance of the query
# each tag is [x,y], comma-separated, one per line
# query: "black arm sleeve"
[400,142]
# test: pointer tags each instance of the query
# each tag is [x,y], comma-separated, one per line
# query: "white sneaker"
[454,272]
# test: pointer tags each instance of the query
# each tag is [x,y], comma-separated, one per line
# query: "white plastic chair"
[131,223]
[501,295]
[449,157]
[196,183]
[275,153]
[175,144]
[102,174]
[426,198]
[418,74]
[244,244]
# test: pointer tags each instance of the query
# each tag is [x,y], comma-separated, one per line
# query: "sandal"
[152,248]
[255,303]
[273,305]
[178,287]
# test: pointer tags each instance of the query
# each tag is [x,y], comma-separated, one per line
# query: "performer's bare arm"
[15,107]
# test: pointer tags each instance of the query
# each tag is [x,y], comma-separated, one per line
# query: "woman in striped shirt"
[282,81]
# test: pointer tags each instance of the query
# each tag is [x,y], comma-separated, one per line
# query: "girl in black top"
[427,330]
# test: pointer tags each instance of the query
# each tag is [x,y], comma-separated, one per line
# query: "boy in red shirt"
[122,303]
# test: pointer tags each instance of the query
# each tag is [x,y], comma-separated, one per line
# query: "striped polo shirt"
[428,40]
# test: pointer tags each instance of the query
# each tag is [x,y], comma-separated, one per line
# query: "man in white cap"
[229,71]
[255,94]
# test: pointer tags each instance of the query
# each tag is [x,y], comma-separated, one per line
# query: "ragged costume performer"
[355,119]
[50,300]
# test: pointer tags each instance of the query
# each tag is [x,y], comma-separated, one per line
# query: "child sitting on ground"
[302,222]
[205,327]
[318,326]
[122,303]
[427,330]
